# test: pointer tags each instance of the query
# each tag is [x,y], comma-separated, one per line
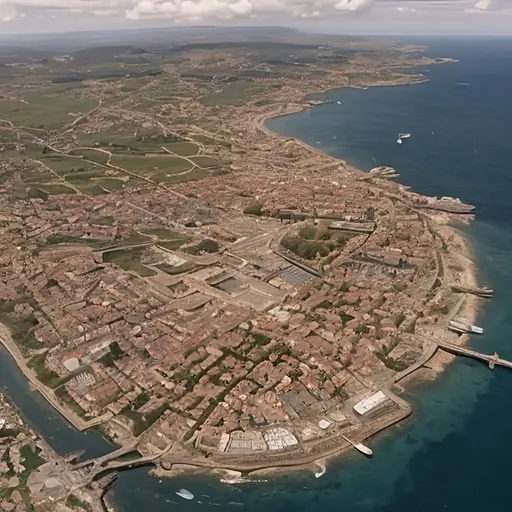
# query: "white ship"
[402,136]
[186,495]
[463,326]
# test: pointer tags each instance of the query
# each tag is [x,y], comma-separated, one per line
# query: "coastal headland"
[209,293]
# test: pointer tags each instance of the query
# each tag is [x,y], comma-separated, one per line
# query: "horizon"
[255,28]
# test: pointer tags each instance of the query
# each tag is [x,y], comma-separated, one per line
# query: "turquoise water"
[454,453]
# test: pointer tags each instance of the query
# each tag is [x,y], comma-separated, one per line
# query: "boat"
[338,102]
[359,447]
[186,495]
[402,136]
[462,326]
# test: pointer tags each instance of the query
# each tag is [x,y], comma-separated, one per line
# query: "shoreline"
[76,421]
[383,423]
[438,360]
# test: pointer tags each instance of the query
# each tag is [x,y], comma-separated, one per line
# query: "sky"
[417,17]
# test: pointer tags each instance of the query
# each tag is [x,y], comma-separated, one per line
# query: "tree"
[254,208]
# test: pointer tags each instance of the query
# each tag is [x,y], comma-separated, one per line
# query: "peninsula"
[203,290]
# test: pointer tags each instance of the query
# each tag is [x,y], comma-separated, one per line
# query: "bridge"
[112,465]
[89,470]
[99,461]
[491,360]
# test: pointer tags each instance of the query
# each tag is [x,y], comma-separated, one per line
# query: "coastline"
[459,247]
[437,362]
[432,362]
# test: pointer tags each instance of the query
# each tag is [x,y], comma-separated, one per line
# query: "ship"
[186,495]
[464,327]
[402,136]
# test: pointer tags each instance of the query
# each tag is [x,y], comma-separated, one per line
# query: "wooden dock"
[492,361]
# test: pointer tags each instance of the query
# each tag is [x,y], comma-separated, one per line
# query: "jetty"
[491,360]
[485,293]
[359,447]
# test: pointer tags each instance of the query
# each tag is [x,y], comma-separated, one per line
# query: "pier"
[484,293]
[491,360]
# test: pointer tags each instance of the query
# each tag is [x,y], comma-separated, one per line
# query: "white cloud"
[212,11]
[8,12]
[483,5]
[353,5]
[228,9]
[495,6]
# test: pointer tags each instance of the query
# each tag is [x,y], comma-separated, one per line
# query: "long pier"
[491,360]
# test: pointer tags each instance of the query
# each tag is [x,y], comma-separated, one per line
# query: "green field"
[65,164]
[205,162]
[236,93]
[183,148]
[38,111]
[157,168]
[99,157]
[194,175]
[84,177]
[92,189]
[113,184]
[122,139]
[55,189]
[129,260]
[39,175]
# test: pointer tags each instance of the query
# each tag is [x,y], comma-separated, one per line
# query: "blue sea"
[455,453]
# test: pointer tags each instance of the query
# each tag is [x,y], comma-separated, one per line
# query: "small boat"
[338,102]
[402,136]
[186,495]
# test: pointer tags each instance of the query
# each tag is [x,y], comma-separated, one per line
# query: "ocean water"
[454,453]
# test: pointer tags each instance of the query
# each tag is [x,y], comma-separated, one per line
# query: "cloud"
[8,12]
[212,11]
[229,9]
[353,5]
[483,5]
[491,6]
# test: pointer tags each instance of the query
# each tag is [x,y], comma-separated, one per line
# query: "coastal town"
[204,290]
